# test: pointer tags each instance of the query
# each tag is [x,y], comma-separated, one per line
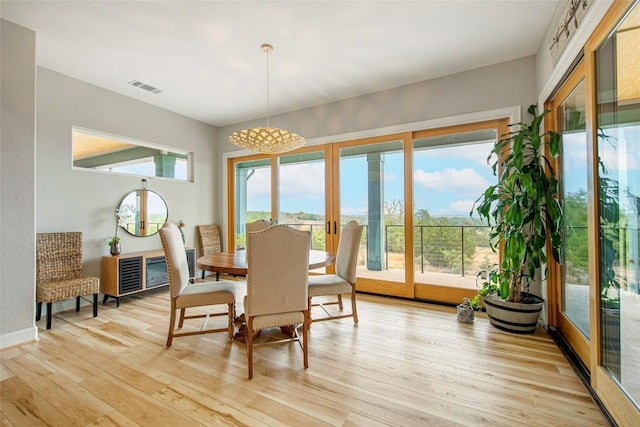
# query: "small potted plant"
[114,241]
[465,312]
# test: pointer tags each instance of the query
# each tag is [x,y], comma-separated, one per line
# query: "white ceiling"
[206,58]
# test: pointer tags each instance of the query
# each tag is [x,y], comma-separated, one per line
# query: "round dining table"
[235,263]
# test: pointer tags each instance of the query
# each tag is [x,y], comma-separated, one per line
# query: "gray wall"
[17,184]
[85,200]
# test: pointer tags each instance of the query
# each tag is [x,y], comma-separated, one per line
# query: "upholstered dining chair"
[209,241]
[257,225]
[344,280]
[278,268]
[185,294]
[59,272]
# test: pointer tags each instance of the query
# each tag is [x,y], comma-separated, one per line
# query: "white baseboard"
[18,337]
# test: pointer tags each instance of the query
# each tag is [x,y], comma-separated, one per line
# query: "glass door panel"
[451,247]
[252,193]
[574,276]
[302,195]
[618,180]
[371,189]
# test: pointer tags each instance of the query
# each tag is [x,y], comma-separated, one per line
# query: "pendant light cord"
[268,49]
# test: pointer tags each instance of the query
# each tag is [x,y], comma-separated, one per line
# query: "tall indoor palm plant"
[522,208]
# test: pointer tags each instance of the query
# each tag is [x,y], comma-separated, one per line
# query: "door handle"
[327,229]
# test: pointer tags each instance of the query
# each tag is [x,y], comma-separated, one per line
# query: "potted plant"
[524,214]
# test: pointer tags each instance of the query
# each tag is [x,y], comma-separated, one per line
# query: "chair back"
[257,225]
[347,256]
[176,258]
[209,239]
[278,268]
[58,256]
[254,226]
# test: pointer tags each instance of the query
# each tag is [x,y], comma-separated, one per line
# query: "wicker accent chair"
[59,272]
[344,281]
[186,295]
[278,268]
[209,241]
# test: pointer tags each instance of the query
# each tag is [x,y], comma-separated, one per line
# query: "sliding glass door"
[451,244]
[413,192]
[618,183]
[570,283]
[251,197]
[371,191]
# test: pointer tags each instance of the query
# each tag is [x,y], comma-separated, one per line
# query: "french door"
[413,192]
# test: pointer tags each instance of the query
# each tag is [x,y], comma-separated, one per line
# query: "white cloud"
[462,181]
[297,181]
[302,181]
[350,210]
[259,184]
[390,176]
[461,207]
[476,152]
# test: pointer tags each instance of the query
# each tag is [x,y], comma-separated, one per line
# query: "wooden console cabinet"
[135,272]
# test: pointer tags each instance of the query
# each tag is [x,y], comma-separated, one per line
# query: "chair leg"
[77,304]
[49,310]
[202,274]
[340,302]
[181,321]
[307,325]
[172,323]
[353,306]
[38,310]
[95,305]
[250,345]
[305,336]
[232,316]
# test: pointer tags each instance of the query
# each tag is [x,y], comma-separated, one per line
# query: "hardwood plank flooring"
[405,364]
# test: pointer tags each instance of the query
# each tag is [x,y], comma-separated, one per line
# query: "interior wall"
[85,200]
[17,183]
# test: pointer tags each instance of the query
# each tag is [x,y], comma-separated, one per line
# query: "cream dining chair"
[257,225]
[185,295]
[344,280]
[278,268]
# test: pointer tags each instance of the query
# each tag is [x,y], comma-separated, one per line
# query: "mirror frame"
[135,215]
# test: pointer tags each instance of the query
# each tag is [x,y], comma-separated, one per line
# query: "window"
[110,153]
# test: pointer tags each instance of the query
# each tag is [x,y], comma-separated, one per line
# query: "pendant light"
[267,140]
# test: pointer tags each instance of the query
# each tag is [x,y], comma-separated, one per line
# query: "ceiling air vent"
[144,86]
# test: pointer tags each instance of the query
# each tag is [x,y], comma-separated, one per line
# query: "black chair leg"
[77,304]
[49,310]
[202,274]
[38,310]
[95,305]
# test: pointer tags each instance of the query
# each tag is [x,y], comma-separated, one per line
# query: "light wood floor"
[406,364]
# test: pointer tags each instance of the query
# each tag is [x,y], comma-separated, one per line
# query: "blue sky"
[447,182]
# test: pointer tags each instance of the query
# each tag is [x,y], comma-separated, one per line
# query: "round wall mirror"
[142,212]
